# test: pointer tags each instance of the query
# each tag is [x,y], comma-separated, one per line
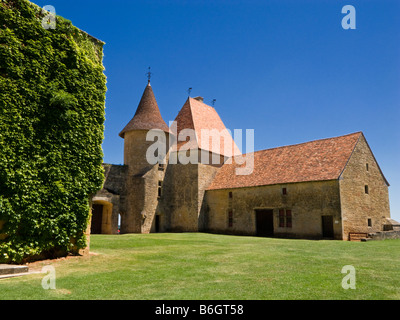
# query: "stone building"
[330,188]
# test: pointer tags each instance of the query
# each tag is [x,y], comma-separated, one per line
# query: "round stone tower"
[144,178]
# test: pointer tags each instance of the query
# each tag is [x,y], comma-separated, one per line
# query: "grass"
[197,266]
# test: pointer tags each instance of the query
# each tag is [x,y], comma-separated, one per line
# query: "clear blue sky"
[286,69]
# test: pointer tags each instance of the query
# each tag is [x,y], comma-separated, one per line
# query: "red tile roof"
[147,115]
[198,116]
[311,161]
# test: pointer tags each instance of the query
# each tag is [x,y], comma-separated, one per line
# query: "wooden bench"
[357,236]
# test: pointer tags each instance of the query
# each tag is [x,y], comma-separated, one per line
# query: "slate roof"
[317,160]
[197,115]
[147,115]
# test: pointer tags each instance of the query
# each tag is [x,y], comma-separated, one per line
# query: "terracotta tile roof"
[311,161]
[197,115]
[147,115]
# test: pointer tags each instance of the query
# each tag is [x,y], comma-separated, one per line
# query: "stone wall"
[115,182]
[152,180]
[385,235]
[182,196]
[205,176]
[112,196]
[141,184]
[358,204]
[135,149]
[308,202]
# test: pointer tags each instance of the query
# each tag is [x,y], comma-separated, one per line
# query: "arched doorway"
[101,217]
[97,218]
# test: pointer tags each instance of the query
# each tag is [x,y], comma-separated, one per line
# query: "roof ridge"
[190,113]
[352,151]
[191,118]
[316,160]
[301,143]
[202,102]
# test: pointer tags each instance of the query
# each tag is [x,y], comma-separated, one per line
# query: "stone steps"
[9,270]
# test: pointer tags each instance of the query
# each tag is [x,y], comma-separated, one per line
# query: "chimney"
[199,99]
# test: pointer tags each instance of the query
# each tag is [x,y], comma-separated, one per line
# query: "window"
[230,219]
[369,222]
[366,189]
[161,167]
[281,218]
[367,167]
[230,195]
[159,188]
[285,218]
[284,191]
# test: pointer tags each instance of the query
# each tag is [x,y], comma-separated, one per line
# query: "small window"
[369,222]
[159,188]
[161,167]
[366,189]
[285,218]
[367,167]
[230,219]
[230,195]
[284,191]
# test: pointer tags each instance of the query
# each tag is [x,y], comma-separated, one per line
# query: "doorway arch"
[101,218]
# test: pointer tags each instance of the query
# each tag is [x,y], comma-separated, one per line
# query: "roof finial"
[213,102]
[149,75]
[189,91]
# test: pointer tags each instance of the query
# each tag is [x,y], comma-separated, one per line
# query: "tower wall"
[135,148]
[142,184]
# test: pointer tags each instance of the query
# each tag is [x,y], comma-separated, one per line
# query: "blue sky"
[286,69]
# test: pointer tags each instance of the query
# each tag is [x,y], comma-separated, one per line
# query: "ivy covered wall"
[52,112]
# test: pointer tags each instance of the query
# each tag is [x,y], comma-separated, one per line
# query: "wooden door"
[97,219]
[327,226]
[265,223]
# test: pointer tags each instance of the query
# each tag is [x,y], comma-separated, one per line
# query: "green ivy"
[52,98]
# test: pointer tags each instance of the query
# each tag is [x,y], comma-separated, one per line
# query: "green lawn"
[199,266]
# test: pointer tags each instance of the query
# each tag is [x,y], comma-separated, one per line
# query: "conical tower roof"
[147,115]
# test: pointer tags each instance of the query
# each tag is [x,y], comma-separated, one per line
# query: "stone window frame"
[285,217]
[159,189]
